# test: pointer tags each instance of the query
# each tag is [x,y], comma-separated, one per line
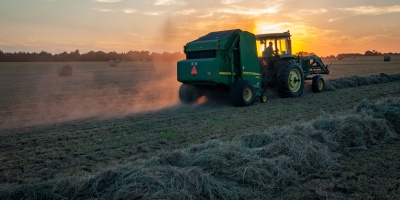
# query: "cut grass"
[277,163]
[166,134]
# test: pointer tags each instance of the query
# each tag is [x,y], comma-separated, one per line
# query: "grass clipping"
[254,166]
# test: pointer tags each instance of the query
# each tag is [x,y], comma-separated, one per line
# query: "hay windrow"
[259,165]
[387,109]
[353,131]
[354,81]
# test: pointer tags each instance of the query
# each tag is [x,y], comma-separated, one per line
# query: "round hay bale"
[113,63]
[386,58]
[65,70]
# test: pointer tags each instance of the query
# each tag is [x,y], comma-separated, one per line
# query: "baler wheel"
[318,84]
[290,79]
[188,93]
[242,93]
[263,98]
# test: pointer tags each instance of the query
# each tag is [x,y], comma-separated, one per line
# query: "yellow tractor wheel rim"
[247,94]
[294,80]
[264,99]
[320,84]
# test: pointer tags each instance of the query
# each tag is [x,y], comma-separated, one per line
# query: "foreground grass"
[295,161]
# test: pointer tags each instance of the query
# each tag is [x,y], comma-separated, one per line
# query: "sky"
[324,27]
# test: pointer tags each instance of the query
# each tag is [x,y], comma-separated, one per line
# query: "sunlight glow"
[201,100]
[266,27]
[299,33]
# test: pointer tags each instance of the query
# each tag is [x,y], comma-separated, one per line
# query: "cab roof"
[272,35]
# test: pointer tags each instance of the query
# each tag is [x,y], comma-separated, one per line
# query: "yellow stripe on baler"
[245,73]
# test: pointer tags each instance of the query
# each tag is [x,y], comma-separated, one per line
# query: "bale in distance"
[113,63]
[65,70]
[386,58]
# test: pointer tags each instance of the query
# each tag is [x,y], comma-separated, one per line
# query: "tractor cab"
[276,45]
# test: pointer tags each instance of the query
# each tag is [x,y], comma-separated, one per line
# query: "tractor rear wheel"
[318,84]
[242,93]
[290,79]
[188,93]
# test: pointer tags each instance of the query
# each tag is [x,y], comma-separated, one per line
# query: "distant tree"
[44,57]
[372,53]
[74,55]
[348,55]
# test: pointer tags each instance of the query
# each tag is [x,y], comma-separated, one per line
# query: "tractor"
[244,65]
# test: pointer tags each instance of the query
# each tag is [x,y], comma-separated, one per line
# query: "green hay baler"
[229,61]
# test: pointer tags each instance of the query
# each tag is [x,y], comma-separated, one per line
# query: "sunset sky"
[325,27]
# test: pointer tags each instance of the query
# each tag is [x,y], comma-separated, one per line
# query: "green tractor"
[244,65]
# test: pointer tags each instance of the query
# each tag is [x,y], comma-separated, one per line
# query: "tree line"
[367,53]
[92,56]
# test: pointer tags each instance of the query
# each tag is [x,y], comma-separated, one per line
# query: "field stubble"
[90,131]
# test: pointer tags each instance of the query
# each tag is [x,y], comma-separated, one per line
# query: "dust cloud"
[95,90]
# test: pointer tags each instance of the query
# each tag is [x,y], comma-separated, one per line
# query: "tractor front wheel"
[290,79]
[318,84]
[242,93]
[188,93]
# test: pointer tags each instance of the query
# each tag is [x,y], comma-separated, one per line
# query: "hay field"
[33,93]
[361,66]
[89,136]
